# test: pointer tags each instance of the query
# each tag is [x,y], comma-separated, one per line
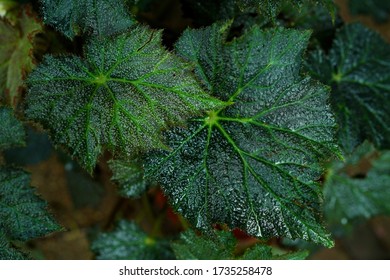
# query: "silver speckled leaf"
[119,96]
[254,163]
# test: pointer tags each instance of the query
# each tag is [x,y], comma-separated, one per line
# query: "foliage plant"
[249,118]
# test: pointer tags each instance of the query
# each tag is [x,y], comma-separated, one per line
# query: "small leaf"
[353,198]
[129,242]
[221,246]
[252,164]
[358,69]
[129,176]
[15,54]
[23,215]
[11,130]
[7,252]
[119,96]
[75,17]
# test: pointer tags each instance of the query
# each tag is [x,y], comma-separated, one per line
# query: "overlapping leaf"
[76,17]
[11,130]
[119,96]
[129,176]
[358,68]
[23,215]
[352,197]
[129,242]
[221,246]
[252,164]
[15,54]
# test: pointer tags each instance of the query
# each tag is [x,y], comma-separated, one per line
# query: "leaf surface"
[119,96]
[7,252]
[352,197]
[11,130]
[23,215]
[98,17]
[129,176]
[252,164]
[358,69]
[271,8]
[129,242]
[221,246]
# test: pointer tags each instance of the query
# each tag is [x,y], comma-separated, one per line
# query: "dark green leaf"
[221,246]
[252,164]
[15,56]
[272,7]
[264,252]
[379,9]
[129,242]
[7,252]
[23,215]
[75,17]
[358,68]
[129,176]
[118,97]
[352,197]
[11,130]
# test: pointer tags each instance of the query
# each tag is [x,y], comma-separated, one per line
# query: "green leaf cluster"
[23,215]
[129,242]
[252,164]
[237,122]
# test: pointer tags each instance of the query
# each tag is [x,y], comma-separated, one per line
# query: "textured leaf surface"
[349,197]
[23,215]
[7,252]
[119,96]
[129,242]
[379,9]
[15,58]
[221,246]
[129,176]
[11,130]
[252,164]
[75,17]
[358,68]
[272,7]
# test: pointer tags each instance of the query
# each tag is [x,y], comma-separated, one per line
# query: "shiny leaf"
[119,96]
[252,164]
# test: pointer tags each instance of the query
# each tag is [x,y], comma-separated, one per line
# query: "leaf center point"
[101,79]
[212,118]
